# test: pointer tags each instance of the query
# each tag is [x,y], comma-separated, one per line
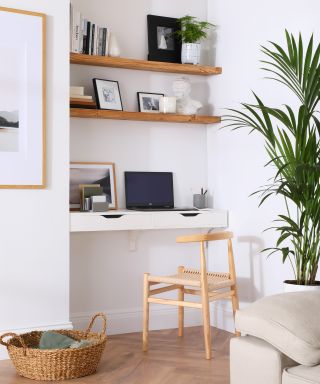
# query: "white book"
[107,42]
[83,97]
[77,32]
[75,90]
[100,41]
[81,34]
[71,26]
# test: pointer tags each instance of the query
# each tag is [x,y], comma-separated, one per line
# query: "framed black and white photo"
[22,99]
[162,40]
[149,102]
[92,173]
[107,94]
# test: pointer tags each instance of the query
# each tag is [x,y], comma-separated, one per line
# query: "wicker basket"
[56,364]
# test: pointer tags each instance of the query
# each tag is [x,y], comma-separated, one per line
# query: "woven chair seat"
[192,277]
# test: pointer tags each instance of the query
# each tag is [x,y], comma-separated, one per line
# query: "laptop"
[150,191]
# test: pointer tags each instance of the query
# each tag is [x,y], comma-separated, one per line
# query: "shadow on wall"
[252,288]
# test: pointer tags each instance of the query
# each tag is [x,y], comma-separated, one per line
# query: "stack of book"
[87,37]
[79,100]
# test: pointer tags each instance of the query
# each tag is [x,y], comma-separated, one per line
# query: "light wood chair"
[209,286]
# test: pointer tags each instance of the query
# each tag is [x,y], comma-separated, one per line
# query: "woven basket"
[56,364]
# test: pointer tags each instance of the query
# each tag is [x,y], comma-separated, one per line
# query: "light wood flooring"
[170,360]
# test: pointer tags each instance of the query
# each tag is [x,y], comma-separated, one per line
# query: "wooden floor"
[170,360]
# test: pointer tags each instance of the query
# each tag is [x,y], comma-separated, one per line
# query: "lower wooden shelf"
[142,116]
[123,220]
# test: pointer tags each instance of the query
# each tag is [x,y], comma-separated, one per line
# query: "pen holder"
[199,201]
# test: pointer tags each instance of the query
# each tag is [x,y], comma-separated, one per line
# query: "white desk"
[123,220]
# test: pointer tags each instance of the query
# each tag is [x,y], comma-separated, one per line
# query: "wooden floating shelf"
[142,116]
[144,65]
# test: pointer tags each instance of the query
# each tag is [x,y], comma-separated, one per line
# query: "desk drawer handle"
[112,216]
[189,214]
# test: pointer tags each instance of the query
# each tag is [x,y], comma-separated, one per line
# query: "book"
[100,41]
[86,191]
[92,39]
[87,38]
[82,97]
[76,90]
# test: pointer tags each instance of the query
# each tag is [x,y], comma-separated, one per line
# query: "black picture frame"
[102,102]
[165,27]
[142,108]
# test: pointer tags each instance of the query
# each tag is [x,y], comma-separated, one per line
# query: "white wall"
[236,160]
[34,283]
[104,274]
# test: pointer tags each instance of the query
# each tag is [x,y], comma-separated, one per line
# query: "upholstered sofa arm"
[253,361]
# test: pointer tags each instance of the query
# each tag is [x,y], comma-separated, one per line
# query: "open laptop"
[150,191]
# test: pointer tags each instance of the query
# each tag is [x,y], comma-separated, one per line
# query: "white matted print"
[149,102]
[93,173]
[107,94]
[22,99]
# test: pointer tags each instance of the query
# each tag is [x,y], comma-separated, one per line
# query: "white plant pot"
[190,53]
[299,288]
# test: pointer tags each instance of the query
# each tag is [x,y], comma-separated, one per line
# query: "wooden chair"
[209,286]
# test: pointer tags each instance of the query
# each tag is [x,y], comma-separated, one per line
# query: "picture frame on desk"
[163,43]
[107,93]
[102,173]
[22,99]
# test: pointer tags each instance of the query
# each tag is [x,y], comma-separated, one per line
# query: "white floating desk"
[123,220]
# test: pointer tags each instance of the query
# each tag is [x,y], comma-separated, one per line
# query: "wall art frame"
[102,173]
[163,42]
[22,99]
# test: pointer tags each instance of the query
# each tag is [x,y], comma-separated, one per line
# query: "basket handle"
[104,324]
[10,334]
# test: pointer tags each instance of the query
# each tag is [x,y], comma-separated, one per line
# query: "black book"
[86,47]
[104,37]
[92,39]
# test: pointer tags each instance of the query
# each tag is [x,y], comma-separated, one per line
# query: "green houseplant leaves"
[292,144]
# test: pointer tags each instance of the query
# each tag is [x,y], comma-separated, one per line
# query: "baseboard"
[3,350]
[130,320]
[222,317]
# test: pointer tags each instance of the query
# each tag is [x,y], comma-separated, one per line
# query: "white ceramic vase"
[114,50]
[190,53]
[289,287]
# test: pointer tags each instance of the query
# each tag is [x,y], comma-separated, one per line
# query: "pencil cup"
[199,201]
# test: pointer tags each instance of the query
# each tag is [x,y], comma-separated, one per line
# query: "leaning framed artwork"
[22,99]
[92,173]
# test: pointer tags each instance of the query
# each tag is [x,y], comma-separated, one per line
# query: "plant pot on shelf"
[190,53]
[292,286]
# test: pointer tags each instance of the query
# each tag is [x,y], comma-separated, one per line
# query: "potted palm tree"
[191,33]
[292,143]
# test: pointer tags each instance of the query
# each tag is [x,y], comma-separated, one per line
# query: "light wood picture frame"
[22,99]
[93,173]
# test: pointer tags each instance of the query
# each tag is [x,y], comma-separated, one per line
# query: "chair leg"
[206,324]
[235,306]
[180,308]
[145,334]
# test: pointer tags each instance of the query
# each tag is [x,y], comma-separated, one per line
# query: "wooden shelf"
[142,116]
[143,65]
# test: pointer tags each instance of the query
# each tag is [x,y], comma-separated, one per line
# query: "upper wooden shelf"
[143,65]
[142,116]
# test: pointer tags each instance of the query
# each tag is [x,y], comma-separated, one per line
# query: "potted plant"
[292,143]
[191,33]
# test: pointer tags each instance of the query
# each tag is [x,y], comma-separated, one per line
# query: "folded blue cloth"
[55,340]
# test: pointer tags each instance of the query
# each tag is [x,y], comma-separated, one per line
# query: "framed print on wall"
[107,94]
[162,40]
[22,98]
[92,173]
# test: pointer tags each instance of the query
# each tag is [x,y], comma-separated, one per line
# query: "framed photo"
[107,94]
[163,43]
[93,173]
[149,102]
[22,99]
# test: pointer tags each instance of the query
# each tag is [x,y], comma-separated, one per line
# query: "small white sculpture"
[114,50]
[185,105]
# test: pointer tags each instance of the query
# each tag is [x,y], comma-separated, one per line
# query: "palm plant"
[293,147]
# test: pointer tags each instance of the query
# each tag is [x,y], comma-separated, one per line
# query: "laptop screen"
[149,189]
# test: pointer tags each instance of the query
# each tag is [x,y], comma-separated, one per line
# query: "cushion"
[289,321]
[301,375]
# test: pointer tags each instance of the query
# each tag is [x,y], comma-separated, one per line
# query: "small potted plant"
[191,33]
